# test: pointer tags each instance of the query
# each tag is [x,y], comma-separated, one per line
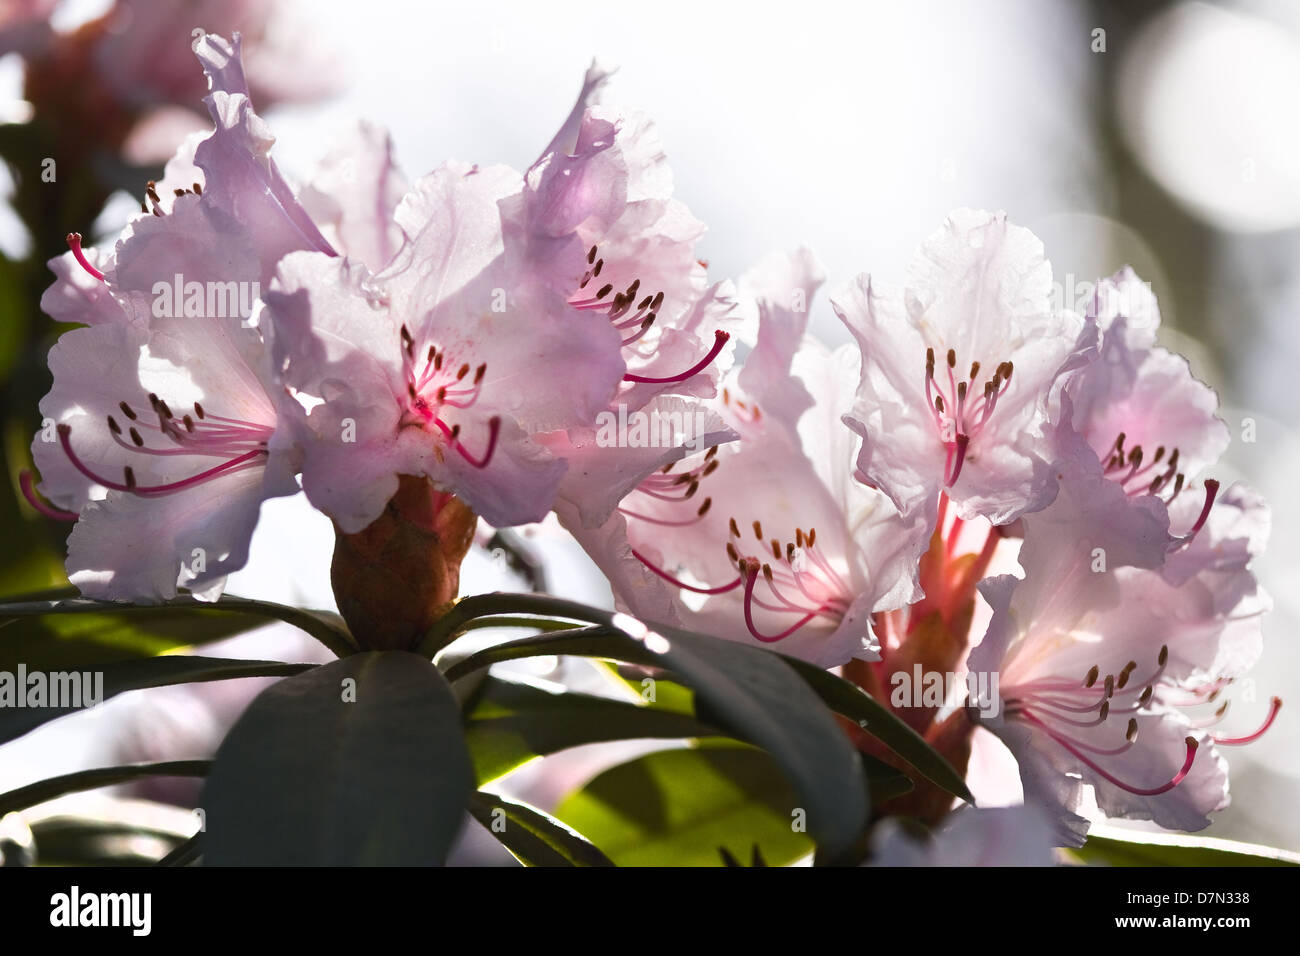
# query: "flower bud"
[397,576]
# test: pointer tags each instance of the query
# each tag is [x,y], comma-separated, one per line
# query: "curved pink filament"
[671,480]
[74,243]
[663,522]
[1058,716]
[210,451]
[663,496]
[1211,492]
[1192,696]
[750,576]
[636,335]
[686,587]
[956,456]
[1139,791]
[719,340]
[832,575]
[33,499]
[1048,699]
[798,578]
[785,602]
[494,430]
[1274,706]
[65,433]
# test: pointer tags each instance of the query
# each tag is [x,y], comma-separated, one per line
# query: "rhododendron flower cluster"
[463,336]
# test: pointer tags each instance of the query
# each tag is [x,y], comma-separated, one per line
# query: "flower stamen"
[720,338]
[74,243]
[1275,705]
[959,418]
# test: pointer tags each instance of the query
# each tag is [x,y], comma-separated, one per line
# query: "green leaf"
[748,692]
[513,723]
[597,641]
[35,793]
[883,781]
[60,642]
[533,837]
[879,722]
[1177,849]
[681,807]
[54,630]
[667,695]
[356,762]
[133,675]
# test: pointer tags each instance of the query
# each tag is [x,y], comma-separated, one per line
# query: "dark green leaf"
[879,722]
[533,837]
[73,631]
[133,675]
[35,793]
[357,762]
[883,781]
[748,692]
[596,641]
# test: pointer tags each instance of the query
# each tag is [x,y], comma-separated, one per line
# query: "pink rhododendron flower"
[164,420]
[83,287]
[1144,420]
[595,212]
[957,372]
[484,347]
[246,218]
[249,186]
[442,364]
[1104,660]
[353,196]
[600,477]
[599,225]
[166,443]
[769,540]
[604,466]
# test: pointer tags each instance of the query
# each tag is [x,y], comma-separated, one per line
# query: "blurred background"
[1164,135]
